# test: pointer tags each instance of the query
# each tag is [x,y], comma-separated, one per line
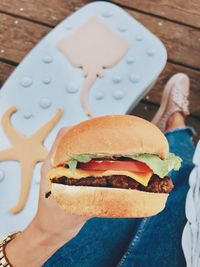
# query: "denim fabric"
[154,241]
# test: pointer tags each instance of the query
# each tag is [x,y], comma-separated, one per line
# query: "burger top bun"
[111,135]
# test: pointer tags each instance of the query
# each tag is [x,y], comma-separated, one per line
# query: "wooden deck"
[177,23]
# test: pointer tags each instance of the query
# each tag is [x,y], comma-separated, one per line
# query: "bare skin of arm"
[50,229]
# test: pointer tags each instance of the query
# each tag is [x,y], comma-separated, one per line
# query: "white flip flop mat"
[52,78]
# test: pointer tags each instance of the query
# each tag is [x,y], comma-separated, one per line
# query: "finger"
[47,164]
[59,136]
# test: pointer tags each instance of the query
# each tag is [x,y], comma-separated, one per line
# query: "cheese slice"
[142,178]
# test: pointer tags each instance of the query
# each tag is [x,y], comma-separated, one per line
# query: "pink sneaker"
[174,98]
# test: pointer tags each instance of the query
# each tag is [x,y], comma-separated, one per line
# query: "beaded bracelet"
[4,262]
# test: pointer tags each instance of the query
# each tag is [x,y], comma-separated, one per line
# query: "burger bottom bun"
[107,202]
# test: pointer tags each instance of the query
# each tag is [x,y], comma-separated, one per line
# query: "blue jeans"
[154,241]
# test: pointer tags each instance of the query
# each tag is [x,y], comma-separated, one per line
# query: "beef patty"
[156,184]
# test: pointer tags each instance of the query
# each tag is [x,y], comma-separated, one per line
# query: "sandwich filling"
[155,185]
[144,172]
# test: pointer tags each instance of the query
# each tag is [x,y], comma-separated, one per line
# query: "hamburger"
[112,166]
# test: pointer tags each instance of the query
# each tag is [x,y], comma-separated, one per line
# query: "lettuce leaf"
[82,158]
[72,164]
[158,166]
[78,158]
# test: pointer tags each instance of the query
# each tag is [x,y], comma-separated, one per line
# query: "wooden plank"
[187,12]
[49,12]
[147,111]
[18,36]
[5,71]
[170,69]
[184,11]
[183,43]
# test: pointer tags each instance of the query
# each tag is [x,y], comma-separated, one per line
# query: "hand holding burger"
[50,229]
[112,166]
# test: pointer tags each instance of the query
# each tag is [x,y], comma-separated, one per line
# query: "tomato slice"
[115,165]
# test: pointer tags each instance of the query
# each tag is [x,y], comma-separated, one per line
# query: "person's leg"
[180,138]
[157,241]
[100,243]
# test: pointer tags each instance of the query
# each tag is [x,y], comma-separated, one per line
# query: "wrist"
[33,247]
[55,235]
